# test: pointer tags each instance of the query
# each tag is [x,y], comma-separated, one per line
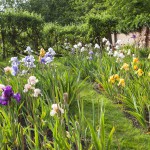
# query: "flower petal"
[4,100]
[17,96]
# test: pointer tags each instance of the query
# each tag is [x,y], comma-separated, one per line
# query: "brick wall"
[142,38]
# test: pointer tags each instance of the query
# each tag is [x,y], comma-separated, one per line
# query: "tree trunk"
[115,37]
[109,37]
[147,37]
[3,43]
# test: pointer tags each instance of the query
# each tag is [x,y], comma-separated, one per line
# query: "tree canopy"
[130,14]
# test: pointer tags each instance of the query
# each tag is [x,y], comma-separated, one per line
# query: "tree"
[101,26]
[128,11]
[20,29]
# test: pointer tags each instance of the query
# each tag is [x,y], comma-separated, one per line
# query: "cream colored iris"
[125,67]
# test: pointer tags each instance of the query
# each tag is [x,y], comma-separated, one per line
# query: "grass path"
[126,136]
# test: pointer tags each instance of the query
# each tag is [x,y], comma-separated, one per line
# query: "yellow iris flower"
[135,60]
[121,82]
[111,79]
[116,77]
[42,52]
[140,72]
[135,67]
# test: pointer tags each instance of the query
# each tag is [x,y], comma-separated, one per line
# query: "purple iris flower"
[29,61]
[4,100]
[51,51]
[15,65]
[15,70]
[7,94]
[14,61]
[91,53]
[29,50]
[133,36]
[90,58]
[43,61]
[17,97]
[47,58]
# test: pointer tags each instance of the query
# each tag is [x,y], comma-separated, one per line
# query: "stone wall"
[140,38]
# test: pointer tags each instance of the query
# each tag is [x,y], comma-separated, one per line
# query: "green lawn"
[126,136]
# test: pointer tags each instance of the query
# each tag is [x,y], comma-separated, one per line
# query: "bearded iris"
[8,94]
[91,55]
[91,52]
[28,50]
[14,66]
[42,52]
[121,82]
[140,72]
[48,57]
[135,60]
[29,61]
[14,70]
[56,109]
[112,79]
[125,67]
[51,51]
[7,70]
[14,61]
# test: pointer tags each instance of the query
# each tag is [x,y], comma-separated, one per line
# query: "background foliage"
[44,23]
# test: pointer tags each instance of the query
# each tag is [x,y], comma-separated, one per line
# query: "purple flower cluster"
[29,61]
[14,63]
[91,55]
[7,94]
[49,56]
[15,70]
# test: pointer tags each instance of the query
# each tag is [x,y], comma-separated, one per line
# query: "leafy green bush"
[20,29]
